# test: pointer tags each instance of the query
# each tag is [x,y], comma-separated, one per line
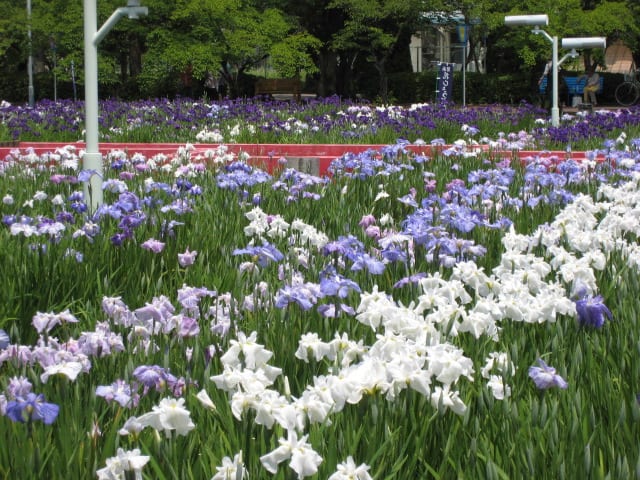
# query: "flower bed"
[319,121]
[415,315]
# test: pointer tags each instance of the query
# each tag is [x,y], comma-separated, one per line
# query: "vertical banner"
[444,88]
[463,33]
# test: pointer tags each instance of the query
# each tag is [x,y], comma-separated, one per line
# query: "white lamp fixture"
[526,20]
[584,42]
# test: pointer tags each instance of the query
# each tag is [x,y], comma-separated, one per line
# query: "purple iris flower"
[182,184]
[366,261]
[157,312]
[120,392]
[187,258]
[9,220]
[4,339]
[546,377]
[263,255]
[394,254]
[19,387]
[32,407]
[294,294]
[65,217]
[409,199]
[153,245]
[333,283]
[131,221]
[348,246]
[154,376]
[76,197]
[85,175]
[79,207]
[119,238]
[367,220]
[592,312]
[415,278]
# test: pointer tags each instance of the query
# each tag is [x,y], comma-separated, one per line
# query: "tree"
[322,21]
[375,28]
[294,55]
[13,46]
[225,37]
[173,48]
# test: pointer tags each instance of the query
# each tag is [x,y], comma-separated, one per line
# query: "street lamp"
[536,21]
[92,161]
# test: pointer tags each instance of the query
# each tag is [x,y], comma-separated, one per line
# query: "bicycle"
[628,92]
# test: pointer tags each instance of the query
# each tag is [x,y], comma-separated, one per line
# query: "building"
[446,40]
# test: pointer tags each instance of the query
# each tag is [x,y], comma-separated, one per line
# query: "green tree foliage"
[225,37]
[322,21]
[335,42]
[294,55]
[170,50]
[12,27]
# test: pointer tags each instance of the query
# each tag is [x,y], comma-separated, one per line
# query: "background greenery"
[344,47]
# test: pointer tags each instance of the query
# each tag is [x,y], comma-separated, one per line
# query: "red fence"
[310,158]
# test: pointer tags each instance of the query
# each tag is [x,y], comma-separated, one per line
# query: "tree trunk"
[328,63]
[380,65]
[135,57]
[344,74]
[399,59]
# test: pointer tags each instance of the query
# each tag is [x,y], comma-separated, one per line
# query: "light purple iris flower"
[153,245]
[187,258]
[545,376]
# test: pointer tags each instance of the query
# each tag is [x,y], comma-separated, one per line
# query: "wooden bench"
[279,86]
[575,86]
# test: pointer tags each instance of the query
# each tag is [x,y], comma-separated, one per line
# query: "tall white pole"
[92,160]
[555,111]
[30,61]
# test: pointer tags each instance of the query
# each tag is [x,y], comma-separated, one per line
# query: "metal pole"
[464,75]
[92,158]
[555,111]
[30,62]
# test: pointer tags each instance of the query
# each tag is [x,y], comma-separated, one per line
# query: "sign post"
[463,38]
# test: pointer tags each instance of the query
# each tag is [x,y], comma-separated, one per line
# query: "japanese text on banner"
[444,87]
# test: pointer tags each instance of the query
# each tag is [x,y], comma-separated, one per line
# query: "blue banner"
[463,33]
[444,88]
